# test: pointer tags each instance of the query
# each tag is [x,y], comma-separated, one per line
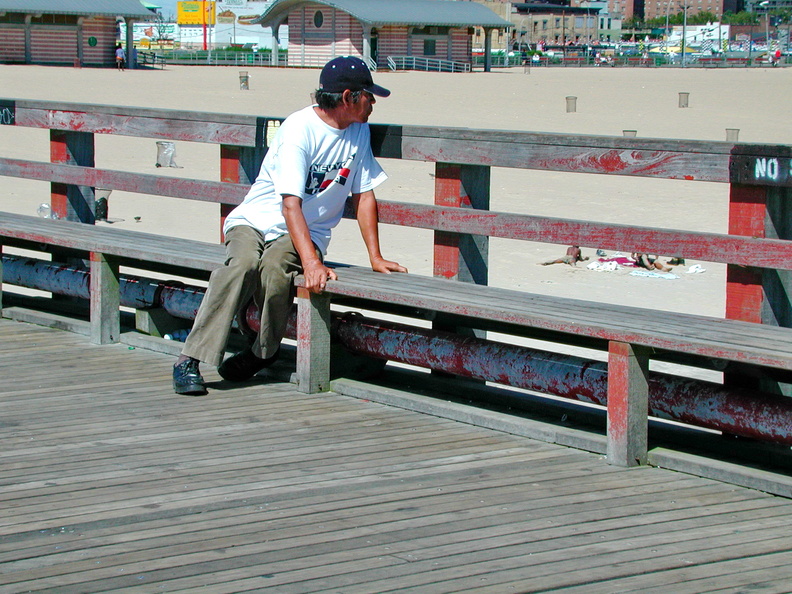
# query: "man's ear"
[346,97]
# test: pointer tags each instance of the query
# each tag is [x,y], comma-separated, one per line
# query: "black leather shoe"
[187,379]
[244,365]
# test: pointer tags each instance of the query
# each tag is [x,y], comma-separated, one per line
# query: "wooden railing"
[759,177]
[757,249]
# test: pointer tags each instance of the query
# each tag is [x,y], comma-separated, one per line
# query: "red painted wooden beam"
[740,249]
[166,125]
[141,183]
[711,247]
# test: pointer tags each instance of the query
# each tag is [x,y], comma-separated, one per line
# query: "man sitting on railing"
[320,155]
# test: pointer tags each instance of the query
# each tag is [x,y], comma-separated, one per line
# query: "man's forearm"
[298,230]
[366,208]
[368,221]
[315,272]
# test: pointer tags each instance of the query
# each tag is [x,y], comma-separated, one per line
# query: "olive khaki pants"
[264,270]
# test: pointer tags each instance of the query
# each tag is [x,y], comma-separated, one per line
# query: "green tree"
[781,16]
[701,18]
[632,23]
[740,18]
[673,19]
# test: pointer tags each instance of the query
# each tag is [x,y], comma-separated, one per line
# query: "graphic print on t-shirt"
[321,176]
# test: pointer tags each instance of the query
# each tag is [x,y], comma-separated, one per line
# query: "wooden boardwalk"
[110,482]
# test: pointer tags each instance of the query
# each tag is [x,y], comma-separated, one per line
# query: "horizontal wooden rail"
[149,123]
[695,161]
[140,183]
[613,155]
[123,244]
[711,247]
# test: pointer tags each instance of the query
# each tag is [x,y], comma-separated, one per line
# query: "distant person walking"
[120,57]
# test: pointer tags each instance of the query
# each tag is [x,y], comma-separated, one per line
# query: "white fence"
[427,64]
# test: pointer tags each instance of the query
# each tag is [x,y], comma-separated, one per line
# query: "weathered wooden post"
[456,256]
[760,205]
[75,203]
[462,257]
[241,164]
[313,341]
[105,300]
[628,404]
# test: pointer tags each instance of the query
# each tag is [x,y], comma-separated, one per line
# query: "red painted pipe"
[757,415]
[63,279]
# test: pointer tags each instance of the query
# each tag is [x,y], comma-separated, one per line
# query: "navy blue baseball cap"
[347,72]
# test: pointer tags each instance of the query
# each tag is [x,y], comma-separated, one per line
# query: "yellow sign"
[196,12]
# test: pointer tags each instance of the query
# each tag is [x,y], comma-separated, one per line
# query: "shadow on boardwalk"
[110,482]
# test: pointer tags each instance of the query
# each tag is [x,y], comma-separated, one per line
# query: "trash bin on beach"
[244,80]
[571,104]
[166,154]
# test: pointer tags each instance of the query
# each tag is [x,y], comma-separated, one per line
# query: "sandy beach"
[609,100]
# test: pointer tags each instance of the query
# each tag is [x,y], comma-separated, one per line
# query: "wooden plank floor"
[110,482]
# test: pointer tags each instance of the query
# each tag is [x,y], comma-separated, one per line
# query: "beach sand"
[609,100]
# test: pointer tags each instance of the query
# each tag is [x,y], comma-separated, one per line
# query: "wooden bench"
[109,248]
[605,322]
[630,335]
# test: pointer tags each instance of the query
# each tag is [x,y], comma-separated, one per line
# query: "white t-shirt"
[316,162]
